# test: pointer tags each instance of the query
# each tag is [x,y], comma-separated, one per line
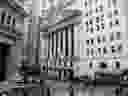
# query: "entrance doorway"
[4,53]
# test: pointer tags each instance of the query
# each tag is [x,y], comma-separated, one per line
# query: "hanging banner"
[36,7]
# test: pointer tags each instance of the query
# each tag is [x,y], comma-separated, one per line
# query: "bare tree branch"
[57,7]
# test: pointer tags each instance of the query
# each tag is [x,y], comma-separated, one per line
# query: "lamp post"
[35,36]
[34,33]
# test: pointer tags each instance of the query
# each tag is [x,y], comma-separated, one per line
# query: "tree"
[57,8]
